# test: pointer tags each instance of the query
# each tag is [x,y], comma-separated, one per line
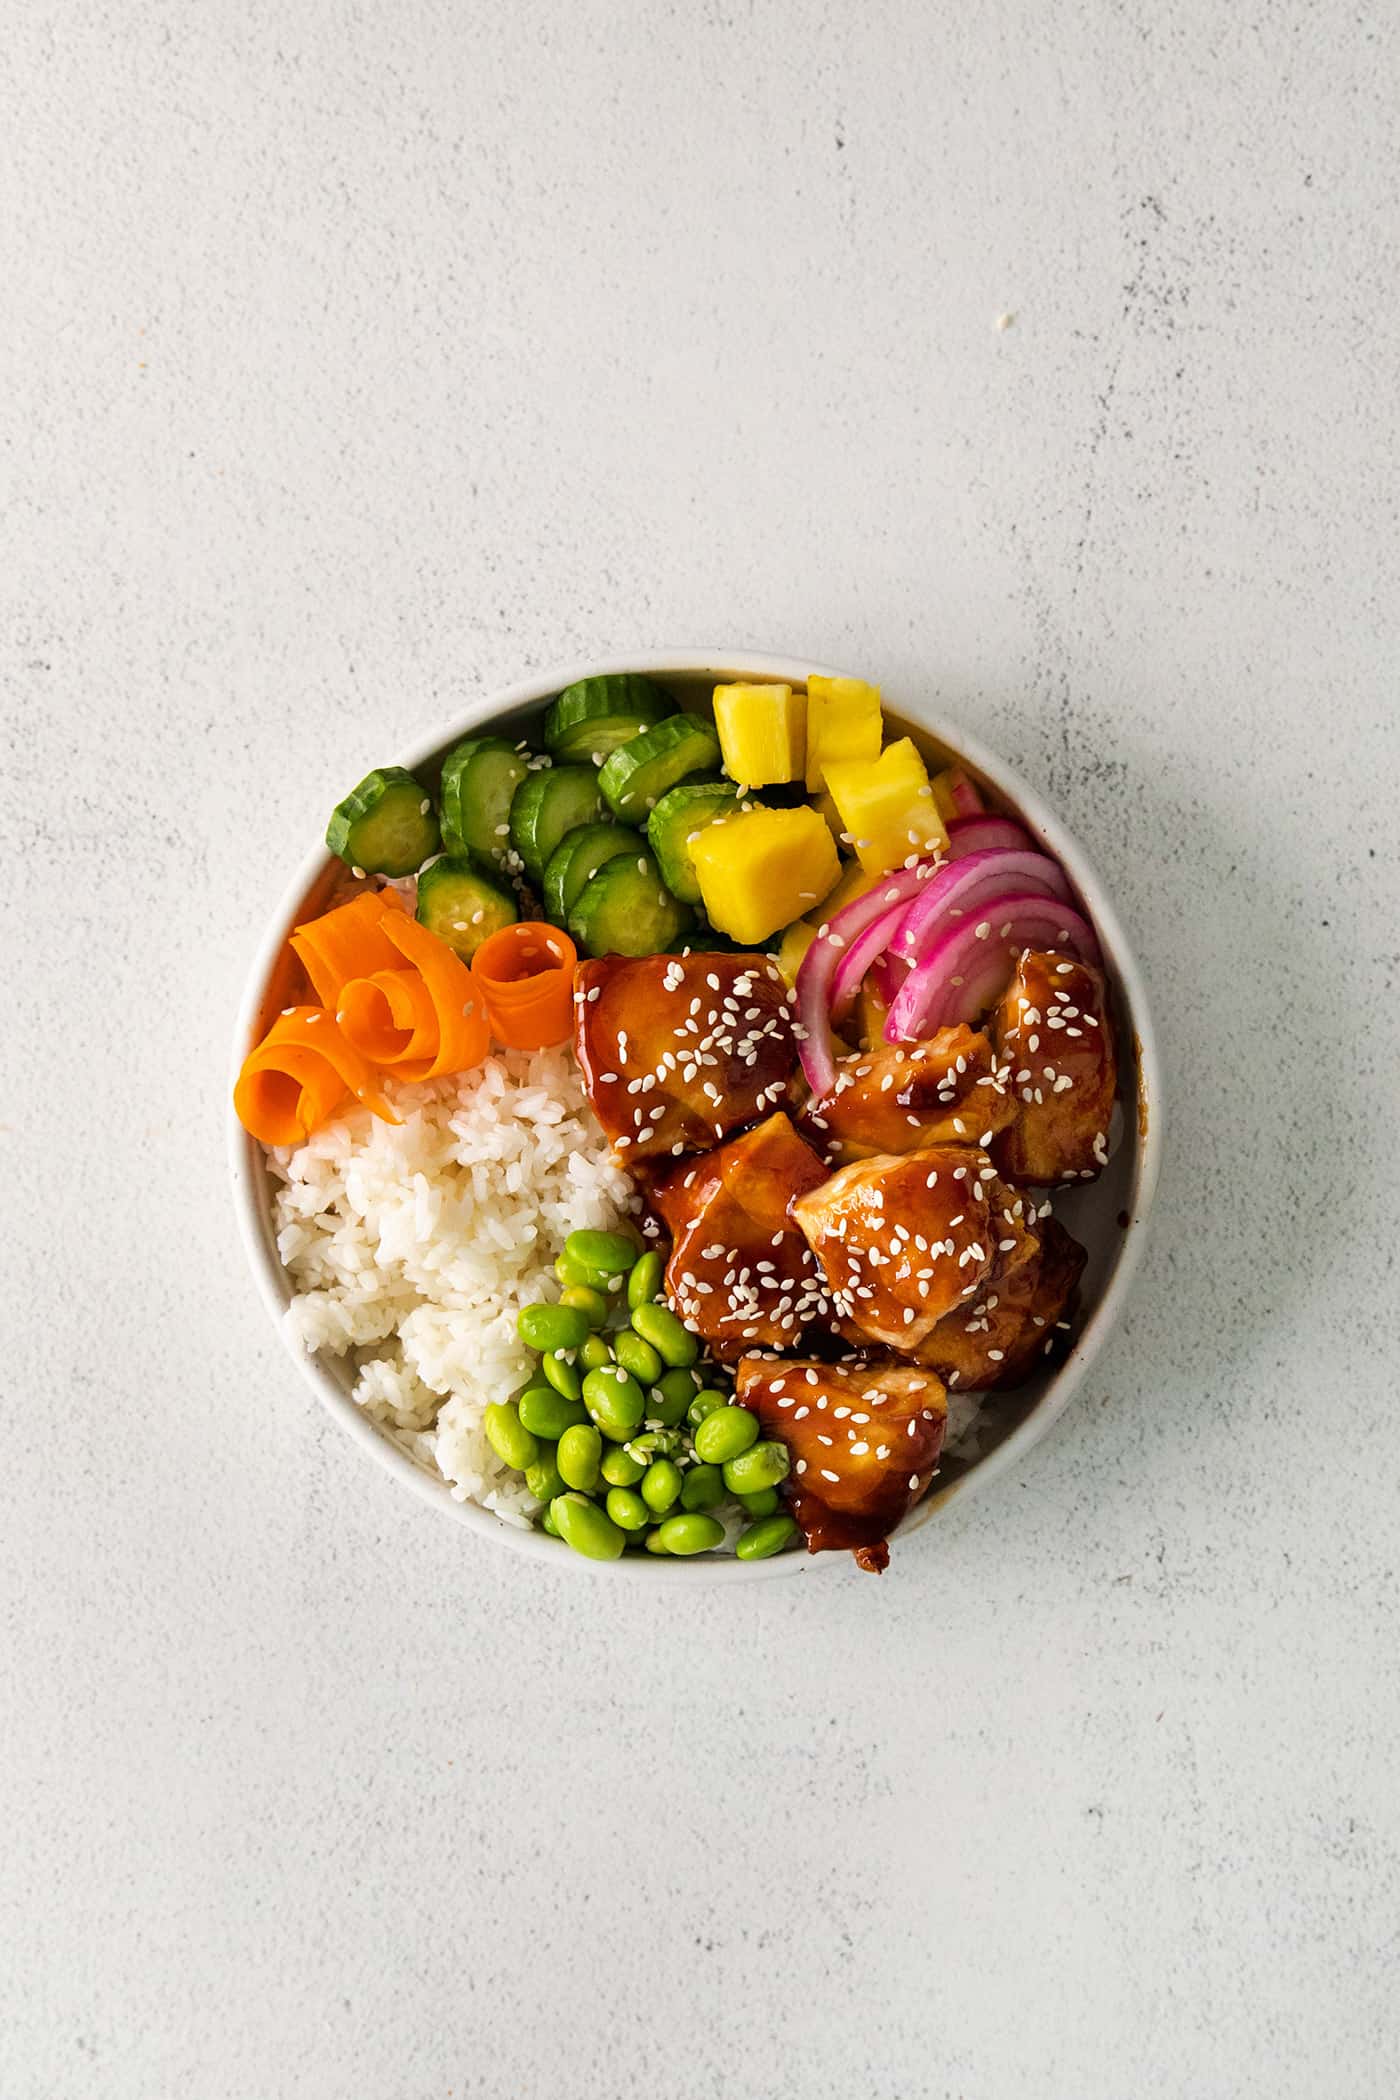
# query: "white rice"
[413,1247]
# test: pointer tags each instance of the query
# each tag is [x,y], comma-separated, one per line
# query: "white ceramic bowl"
[1109,1216]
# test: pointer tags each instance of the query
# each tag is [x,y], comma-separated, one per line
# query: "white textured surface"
[357,359]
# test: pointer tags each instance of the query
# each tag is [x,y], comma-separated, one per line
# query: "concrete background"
[358,359]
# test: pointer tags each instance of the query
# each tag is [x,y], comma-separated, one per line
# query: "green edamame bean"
[703,1488]
[724,1434]
[674,1344]
[615,1401]
[578,1456]
[690,1533]
[655,1443]
[577,1274]
[653,1541]
[645,1279]
[594,1353]
[548,1414]
[611,1253]
[638,1357]
[619,1468]
[761,1466]
[547,1523]
[552,1326]
[508,1437]
[544,1479]
[671,1396]
[760,1541]
[703,1405]
[562,1376]
[626,1507]
[661,1486]
[581,1297]
[585,1527]
[761,1503]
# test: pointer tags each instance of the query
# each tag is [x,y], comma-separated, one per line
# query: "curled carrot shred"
[398,1002]
[299,1075]
[464,1029]
[391,1020]
[348,942]
[525,974]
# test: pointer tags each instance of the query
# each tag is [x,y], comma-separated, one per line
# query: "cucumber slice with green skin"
[386,826]
[577,859]
[590,719]
[681,812]
[462,906]
[626,909]
[638,774]
[479,780]
[548,805]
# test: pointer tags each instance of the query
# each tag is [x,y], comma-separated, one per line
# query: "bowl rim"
[248,1176]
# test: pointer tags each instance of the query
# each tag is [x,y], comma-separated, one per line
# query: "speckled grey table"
[359,359]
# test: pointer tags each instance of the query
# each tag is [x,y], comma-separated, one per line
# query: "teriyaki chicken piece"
[902,1241]
[898,1098]
[864,1440]
[1018,1318]
[1055,1037]
[676,1051]
[740,1273]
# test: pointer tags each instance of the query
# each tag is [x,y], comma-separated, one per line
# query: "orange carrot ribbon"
[400,1002]
[420,1022]
[299,1075]
[525,974]
[348,942]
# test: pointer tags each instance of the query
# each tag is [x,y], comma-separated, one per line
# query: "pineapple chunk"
[762,869]
[802,932]
[795,943]
[762,732]
[887,806]
[832,814]
[843,724]
[855,881]
[944,787]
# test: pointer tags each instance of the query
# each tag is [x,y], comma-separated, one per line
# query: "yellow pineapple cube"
[855,881]
[763,868]
[843,724]
[887,806]
[795,943]
[762,732]
[800,935]
[944,796]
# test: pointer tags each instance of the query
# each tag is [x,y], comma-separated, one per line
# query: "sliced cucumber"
[479,780]
[462,906]
[577,859]
[626,909]
[590,719]
[681,812]
[638,773]
[546,806]
[386,826]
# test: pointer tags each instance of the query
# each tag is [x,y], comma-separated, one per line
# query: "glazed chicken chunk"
[898,1098]
[902,1241]
[677,1050]
[1055,1037]
[864,1440]
[740,1274]
[1000,1337]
